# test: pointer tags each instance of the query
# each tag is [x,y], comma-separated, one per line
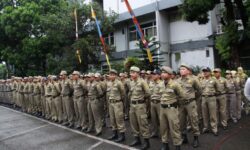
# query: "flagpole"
[76,23]
[139,30]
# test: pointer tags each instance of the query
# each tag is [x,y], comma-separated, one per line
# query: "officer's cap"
[76,73]
[206,69]
[63,72]
[135,69]
[113,71]
[186,66]
[217,70]
[166,69]
[228,72]
[157,71]
[143,72]
[148,72]
[97,75]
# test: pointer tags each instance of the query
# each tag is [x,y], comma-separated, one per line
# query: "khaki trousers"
[116,115]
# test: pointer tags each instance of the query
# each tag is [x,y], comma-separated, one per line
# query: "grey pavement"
[21,131]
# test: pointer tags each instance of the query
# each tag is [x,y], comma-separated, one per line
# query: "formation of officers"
[174,103]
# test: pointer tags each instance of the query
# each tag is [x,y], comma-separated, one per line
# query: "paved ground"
[20,131]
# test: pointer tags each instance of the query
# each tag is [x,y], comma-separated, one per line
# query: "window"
[109,39]
[207,53]
[148,29]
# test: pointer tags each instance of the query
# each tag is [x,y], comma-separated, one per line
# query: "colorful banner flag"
[139,30]
[76,23]
[93,15]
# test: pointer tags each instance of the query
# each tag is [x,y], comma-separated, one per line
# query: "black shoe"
[114,135]
[84,129]
[164,146]
[215,133]
[145,145]
[71,125]
[178,147]
[205,131]
[121,138]
[195,142]
[89,130]
[136,141]
[224,127]
[65,124]
[98,133]
[185,139]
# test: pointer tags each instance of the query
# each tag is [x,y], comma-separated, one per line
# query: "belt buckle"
[168,105]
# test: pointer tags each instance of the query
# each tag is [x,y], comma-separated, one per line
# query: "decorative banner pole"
[139,30]
[77,51]
[101,37]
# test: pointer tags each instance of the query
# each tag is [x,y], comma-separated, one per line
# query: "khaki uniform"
[188,105]
[238,87]
[26,106]
[231,95]
[126,83]
[222,100]
[66,93]
[209,104]
[104,105]
[169,114]
[155,99]
[116,112]
[37,96]
[21,99]
[48,97]
[31,97]
[95,113]
[43,99]
[80,103]
[138,93]
[56,102]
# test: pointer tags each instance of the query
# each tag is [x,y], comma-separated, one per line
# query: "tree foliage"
[231,41]
[38,36]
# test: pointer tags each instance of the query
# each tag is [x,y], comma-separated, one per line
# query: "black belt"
[186,101]
[48,96]
[175,105]
[221,94]
[155,101]
[115,101]
[208,95]
[138,102]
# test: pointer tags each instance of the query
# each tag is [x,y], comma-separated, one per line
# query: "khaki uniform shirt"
[117,91]
[139,90]
[209,87]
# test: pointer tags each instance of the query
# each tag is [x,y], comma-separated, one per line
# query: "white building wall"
[120,40]
[120,7]
[194,58]
[183,31]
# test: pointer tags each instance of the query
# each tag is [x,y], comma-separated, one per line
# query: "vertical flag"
[139,30]
[100,36]
[76,23]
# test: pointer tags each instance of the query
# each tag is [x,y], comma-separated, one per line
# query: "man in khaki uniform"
[125,81]
[43,100]
[221,97]
[116,105]
[21,99]
[48,97]
[66,93]
[138,94]
[37,95]
[26,95]
[80,101]
[154,87]
[188,106]
[56,101]
[95,116]
[209,104]
[31,97]
[169,114]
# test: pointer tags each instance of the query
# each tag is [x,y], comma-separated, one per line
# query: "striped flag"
[76,23]
[93,15]
[139,30]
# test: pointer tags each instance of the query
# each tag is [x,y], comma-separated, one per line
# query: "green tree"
[231,41]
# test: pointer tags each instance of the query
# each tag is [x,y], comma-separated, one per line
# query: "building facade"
[180,41]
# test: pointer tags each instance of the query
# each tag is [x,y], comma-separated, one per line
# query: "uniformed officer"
[231,109]
[37,95]
[48,97]
[116,106]
[126,82]
[188,106]
[138,94]
[80,101]
[209,104]
[155,98]
[95,94]
[67,93]
[56,100]
[221,97]
[169,114]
